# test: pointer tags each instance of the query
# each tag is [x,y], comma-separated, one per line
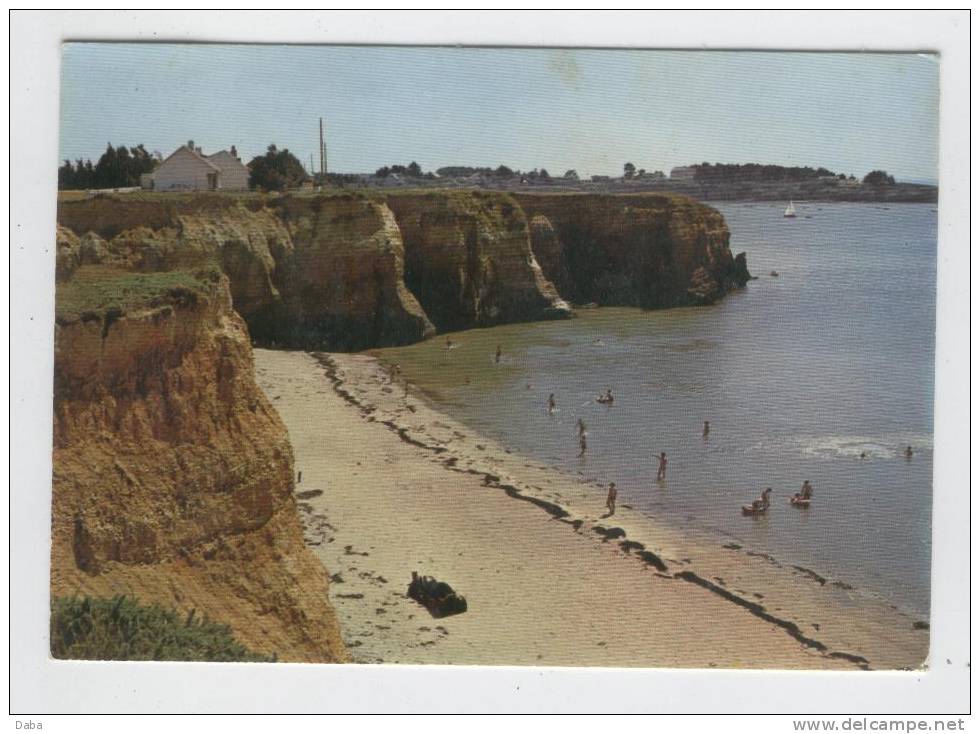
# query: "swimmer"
[552,405]
[662,467]
[805,493]
[864,454]
[762,504]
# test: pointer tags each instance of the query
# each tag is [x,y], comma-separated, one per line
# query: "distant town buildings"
[188,169]
[683,173]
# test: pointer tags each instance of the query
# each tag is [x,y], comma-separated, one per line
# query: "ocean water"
[799,375]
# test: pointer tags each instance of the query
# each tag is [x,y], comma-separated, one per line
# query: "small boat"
[790,212]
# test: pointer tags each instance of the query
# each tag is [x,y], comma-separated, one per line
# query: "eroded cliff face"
[348,271]
[651,251]
[469,260]
[243,237]
[342,282]
[323,272]
[173,475]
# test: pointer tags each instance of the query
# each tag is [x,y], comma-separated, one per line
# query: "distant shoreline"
[754,192]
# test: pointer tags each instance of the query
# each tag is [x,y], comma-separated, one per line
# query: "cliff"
[173,475]
[651,251]
[341,280]
[470,262]
[347,271]
[304,272]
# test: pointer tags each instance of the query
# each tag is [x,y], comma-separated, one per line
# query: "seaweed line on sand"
[561,514]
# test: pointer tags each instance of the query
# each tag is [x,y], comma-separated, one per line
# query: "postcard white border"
[42,686]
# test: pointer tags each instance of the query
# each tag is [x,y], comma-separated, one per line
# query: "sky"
[591,110]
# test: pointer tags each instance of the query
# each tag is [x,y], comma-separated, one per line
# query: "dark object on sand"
[436,596]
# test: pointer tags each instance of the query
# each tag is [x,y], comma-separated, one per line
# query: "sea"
[820,369]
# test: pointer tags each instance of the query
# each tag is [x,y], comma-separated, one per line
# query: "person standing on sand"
[552,405]
[611,498]
[662,467]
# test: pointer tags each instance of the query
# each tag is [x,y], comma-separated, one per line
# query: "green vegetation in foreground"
[87,628]
[97,290]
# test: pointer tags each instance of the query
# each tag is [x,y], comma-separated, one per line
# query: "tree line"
[118,167]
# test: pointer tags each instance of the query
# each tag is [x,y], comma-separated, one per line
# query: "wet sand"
[391,485]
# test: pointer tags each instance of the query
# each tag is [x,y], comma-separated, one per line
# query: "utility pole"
[323,152]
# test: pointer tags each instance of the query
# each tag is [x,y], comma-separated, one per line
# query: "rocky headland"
[350,271]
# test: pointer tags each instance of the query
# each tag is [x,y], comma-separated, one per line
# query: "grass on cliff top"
[96,290]
[93,628]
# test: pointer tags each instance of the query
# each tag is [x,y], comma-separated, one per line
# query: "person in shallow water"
[611,498]
[606,399]
[552,405]
[806,492]
[707,430]
[581,427]
[908,452]
[762,504]
[582,445]
[662,467]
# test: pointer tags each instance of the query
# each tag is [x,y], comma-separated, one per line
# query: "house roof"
[194,153]
[224,160]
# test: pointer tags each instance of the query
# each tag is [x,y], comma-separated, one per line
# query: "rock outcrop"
[342,280]
[173,475]
[469,260]
[652,251]
[347,271]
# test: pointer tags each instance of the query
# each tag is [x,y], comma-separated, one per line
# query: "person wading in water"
[611,498]
[662,467]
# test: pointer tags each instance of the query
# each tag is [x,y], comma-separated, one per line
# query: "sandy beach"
[390,485]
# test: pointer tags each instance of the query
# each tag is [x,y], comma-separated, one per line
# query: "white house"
[188,169]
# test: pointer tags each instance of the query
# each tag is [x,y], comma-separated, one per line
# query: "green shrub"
[87,628]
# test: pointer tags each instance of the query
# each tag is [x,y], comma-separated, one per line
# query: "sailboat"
[790,210]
